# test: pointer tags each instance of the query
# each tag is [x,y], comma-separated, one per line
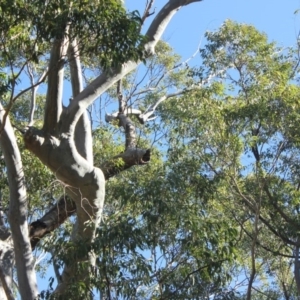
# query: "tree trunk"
[17,215]
[63,144]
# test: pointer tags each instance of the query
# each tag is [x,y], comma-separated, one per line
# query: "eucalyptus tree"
[31,33]
[245,133]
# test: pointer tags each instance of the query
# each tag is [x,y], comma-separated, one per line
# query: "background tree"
[245,133]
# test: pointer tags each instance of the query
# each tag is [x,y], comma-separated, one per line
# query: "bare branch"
[34,88]
[53,107]
[181,64]
[148,115]
[12,101]
[108,78]
[122,102]
[147,10]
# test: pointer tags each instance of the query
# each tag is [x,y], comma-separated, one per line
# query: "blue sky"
[276,18]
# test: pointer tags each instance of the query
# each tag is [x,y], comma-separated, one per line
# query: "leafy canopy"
[103,27]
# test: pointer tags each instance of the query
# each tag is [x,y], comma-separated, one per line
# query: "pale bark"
[130,157]
[110,77]
[85,184]
[65,207]
[34,88]
[18,212]
[53,107]
[83,131]
[6,265]
[33,96]
[58,144]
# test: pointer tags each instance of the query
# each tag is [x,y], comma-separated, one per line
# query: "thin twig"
[147,11]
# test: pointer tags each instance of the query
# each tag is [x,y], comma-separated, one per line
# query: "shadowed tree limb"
[53,108]
[297,266]
[57,215]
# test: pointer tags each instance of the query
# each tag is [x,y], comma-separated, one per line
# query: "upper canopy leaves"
[102,27]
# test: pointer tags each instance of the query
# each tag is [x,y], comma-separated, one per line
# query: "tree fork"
[65,206]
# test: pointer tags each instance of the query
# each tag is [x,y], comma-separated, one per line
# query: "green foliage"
[222,187]
[152,244]
[245,135]
[102,27]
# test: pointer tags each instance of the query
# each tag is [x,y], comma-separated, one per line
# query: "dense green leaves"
[220,197]
[244,134]
[102,27]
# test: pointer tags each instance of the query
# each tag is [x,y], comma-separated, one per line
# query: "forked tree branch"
[65,207]
[12,101]
[83,131]
[147,12]
[80,102]
[110,77]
